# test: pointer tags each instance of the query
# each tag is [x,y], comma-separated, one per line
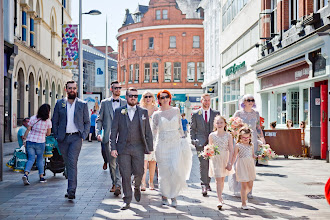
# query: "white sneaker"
[245,207]
[220,204]
[174,202]
[164,201]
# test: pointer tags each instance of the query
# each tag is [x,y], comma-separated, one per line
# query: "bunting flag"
[70,42]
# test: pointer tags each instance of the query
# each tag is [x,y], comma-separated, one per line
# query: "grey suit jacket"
[105,118]
[119,129]
[199,133]
[81,119]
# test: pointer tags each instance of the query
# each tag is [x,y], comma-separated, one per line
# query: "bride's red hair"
[163,91]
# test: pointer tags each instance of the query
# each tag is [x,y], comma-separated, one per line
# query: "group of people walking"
[134,136]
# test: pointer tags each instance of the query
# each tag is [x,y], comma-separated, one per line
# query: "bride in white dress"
[173,153]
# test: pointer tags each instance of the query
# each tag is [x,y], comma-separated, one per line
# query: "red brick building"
[161,46]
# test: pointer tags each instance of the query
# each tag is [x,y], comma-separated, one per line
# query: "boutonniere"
[143,117]
[199,112]
[63,105]
[124,111]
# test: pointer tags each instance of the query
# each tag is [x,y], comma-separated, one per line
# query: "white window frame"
[137,73]
[151,43]
[190,71]
[158,14]
[177,72]
[134,45]
[154,72]
[146,72]
[196,41]
[172,41]
[130,77]
[167,72]
[165,14]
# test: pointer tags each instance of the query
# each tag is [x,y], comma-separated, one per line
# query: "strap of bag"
[35,123]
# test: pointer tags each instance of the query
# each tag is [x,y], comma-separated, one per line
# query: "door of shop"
[315,109]
[324,121]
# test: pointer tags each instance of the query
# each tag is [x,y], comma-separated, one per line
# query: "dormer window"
[165,14]
[138,17]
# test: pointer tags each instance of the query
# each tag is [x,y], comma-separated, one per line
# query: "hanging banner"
[99,73]
[70,42]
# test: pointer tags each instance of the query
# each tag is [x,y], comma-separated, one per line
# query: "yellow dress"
[245,170]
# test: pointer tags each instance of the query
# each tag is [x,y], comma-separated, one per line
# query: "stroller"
[53,159]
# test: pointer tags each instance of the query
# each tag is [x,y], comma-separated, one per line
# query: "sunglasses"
[148,96]
[115,88]
[164,97]
[250,100]
[133,96]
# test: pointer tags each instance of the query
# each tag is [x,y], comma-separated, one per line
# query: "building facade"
[294,67]
[37,76]
[161,46]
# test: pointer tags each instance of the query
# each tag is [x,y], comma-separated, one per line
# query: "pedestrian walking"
[201,127]
[250,117]
[92,128]
[220,164]
[184,122]
[71,126]
[130,139]
[148,102]
[173,153]
[38,128]
[245,170]
[104,122]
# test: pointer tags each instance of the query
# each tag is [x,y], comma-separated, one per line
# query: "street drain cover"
[314,183]
[316,196]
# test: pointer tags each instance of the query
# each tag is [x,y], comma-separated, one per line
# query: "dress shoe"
[204,190]
[117,191]
[105,166]
[66,195]
[137,194]
[113,188]
[71,196]
[250,196]
[208,188]
[220,204]
[125,206]
[164,200]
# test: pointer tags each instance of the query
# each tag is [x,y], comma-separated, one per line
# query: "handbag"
[50,144]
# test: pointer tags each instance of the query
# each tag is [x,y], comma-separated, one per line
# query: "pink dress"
[245,170]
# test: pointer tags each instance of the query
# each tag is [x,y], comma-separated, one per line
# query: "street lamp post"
[81,58]
[106,59]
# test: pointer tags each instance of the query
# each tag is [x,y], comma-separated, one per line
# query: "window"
[172,42]
[231,90]
[158,15]
[146,72]
[318,4]
[200,72]
[123,73]
[138,17]
[195,41]
[130,77]
[306,106]
[151,43]
[64,3]
[273,27]
[230,9]
[249,88]
[191,72]
[295,107]
[133,45]
[294,11]
[167,71]
[31,32]
[137,73]
[165,14]
[281,108]
[154,72]
[177,72]
[122,48]
[24,26]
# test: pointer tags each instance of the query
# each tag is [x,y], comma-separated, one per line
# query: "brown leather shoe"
[117,191]
[105,166]
[204,190]
[113,188]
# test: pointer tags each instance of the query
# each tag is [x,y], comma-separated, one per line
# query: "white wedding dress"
[173,153]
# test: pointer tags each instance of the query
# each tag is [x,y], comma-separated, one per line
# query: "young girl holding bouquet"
[245,170]
[220,165]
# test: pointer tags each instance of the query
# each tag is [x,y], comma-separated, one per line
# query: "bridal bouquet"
[234,124]
[209,151]
[265,153]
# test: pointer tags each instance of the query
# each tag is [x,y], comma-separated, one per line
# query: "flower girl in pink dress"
[220,163]
[245,170]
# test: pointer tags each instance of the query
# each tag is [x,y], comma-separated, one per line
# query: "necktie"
[206,116]
[115,100]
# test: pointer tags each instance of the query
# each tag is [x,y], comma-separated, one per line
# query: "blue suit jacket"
[81,119]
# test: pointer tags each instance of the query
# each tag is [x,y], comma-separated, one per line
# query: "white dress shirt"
[131,111]
[208,114]
[115,105]
[70,126]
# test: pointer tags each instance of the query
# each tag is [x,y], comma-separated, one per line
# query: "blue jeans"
[32,150]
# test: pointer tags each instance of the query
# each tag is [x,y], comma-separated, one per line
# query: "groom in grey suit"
[70,124]
[104,121]
[201,127]
[130,139]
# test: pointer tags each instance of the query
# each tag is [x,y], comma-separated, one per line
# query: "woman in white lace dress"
[173,153]
[148,102]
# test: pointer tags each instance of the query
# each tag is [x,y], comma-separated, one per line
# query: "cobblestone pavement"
[280,192]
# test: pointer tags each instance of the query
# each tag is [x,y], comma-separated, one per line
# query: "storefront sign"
[233,69]
[99,73]
[287,76]
[317,101]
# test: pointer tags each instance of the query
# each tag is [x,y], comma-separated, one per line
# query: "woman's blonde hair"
[143,100]
[244,130]
[217,118]
[287,123]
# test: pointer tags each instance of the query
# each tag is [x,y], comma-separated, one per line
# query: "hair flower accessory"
[124,111]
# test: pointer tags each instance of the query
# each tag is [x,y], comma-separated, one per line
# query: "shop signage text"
[301,73]
[234,68]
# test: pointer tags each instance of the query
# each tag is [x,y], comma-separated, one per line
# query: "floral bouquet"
[265,153]
[234,124]
[209,151]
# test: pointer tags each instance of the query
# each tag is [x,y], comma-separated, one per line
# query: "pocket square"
[143,117]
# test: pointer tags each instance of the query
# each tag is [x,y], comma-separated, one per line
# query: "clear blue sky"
[94,26]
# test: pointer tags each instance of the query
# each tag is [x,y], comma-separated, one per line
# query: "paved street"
[279,193]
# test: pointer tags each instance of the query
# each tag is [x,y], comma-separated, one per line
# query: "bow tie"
[115,100]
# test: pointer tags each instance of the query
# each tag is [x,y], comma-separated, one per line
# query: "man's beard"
[72,95]
[116,93]
[131,103]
